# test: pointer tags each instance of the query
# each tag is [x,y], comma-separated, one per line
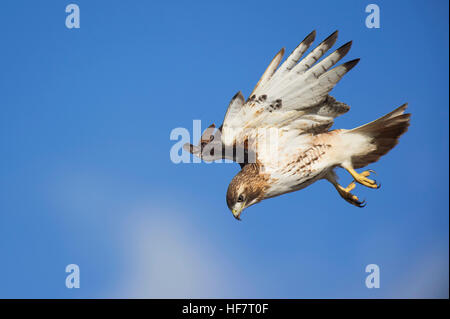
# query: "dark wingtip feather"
[343,50]
[237,95]
[350,64]
[309,38]
[331,39]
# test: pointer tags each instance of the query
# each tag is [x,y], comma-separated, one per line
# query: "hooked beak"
[237,212]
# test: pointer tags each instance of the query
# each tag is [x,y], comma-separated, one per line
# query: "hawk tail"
[383,135]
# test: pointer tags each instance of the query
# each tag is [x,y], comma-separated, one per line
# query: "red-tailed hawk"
[280,135]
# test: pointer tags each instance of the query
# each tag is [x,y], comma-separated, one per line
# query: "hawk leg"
[362,179]
[349,197]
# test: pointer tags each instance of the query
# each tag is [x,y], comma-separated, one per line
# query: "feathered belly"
[299,170]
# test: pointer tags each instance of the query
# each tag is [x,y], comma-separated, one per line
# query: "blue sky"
[86,176]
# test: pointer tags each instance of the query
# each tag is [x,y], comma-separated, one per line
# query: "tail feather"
[384,133]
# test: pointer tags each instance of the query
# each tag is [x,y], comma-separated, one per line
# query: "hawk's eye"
[240,198]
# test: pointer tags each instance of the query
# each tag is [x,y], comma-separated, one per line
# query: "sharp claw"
[372,171]
[358,203]
[362,203]
[379,186]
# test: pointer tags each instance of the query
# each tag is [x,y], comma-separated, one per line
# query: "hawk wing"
[293,97]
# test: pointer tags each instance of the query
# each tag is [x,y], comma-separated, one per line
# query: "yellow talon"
[350,187]
[362,178]
[349,197]
[366,173]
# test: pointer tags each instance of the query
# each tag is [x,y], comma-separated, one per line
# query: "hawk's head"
[246,188]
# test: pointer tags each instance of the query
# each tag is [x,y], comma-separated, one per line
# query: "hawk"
[281,134]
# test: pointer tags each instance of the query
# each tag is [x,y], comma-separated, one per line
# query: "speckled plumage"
[280,134]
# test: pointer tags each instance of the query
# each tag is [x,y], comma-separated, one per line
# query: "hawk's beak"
[237,212]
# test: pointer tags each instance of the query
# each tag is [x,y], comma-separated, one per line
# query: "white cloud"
[165,258]
[157,251]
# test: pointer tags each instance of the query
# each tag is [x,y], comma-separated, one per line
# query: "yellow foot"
[362,178]
[349,197]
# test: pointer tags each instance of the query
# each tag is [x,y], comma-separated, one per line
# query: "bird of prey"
[280,135]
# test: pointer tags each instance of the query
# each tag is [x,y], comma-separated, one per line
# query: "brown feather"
[252,180]
[385,133]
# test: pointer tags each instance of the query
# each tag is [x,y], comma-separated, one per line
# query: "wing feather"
[295,97]
[316,54]
[324,65]
[288,97]
[295,56]
[269,71]
[235,106]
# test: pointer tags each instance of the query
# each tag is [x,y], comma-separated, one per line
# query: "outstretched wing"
[293,97]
